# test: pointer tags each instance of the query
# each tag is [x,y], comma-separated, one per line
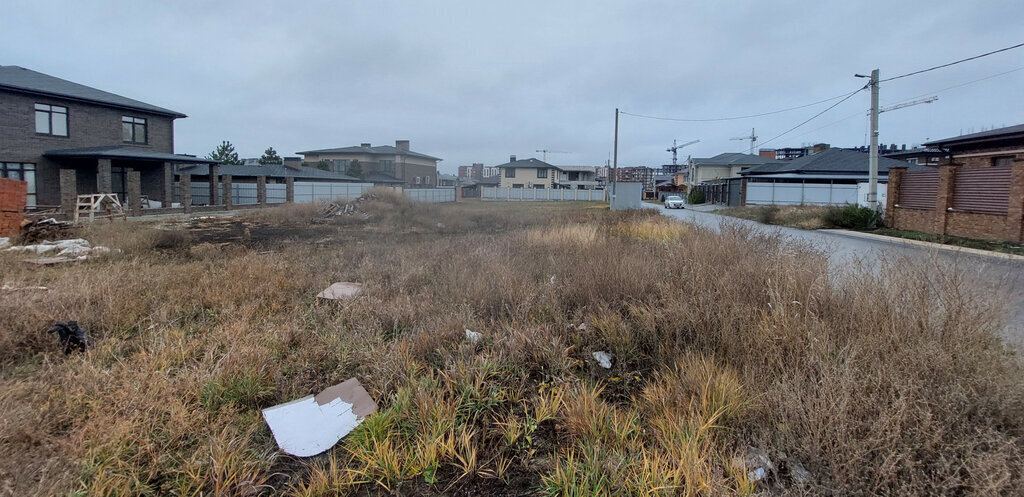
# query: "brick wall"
[12,204]
[944,220]
[89,125]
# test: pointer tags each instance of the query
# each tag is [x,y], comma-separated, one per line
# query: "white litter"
[311,425]
[604,359]
[341,290]
[5,242]
[473,336]
[553,279]
[9,288]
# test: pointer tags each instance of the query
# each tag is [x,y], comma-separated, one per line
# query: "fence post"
[227,193]
[214,176]
[1015,210]
[261,190]
[185,191]
[892,195]
[944,197]
[68,193]
[289,190]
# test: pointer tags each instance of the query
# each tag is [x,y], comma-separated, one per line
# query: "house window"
[912,160]
[539,186]
[340,165]
[133,129]
[386,166]
[426,179]
[1006,161]
[417,180]
[22,172]
[51,120]
[517,185]
[510,172]
[574,176]
[542,173]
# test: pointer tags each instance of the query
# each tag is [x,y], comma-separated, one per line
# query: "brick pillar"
[944,197]
[168,185]
[214,180]
[103,183]
[743,192]
[185,191]
[289,190]
[134,193]
[68,193]
[226,184]
[1015,213]
[261,190]
[892,195]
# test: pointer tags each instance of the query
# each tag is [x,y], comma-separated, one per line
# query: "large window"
[133,129]
[510,172]
[542,173]
[51,120]
[22,172]
[386,166]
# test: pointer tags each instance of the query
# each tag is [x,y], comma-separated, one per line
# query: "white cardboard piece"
[341,290]
[311,425]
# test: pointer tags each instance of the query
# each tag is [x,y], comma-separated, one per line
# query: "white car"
[674,202]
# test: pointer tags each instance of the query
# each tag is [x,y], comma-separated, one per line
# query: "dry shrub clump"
[877,382]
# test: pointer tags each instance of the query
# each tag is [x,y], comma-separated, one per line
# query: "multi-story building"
[380,164]
[534,173]
[67,138]
[477,171]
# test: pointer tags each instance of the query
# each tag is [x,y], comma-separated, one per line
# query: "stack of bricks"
[12,205]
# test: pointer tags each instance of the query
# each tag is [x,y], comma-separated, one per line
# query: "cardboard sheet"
[311,425]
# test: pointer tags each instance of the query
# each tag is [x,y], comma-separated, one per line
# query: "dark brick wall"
[88,126]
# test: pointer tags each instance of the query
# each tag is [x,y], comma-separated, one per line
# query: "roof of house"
[529,163]
[447,177]
[912,152]
[1008,132]
[582,169]
[28,81]
[732,159]
[381,178]
[126,153]
[268,170]
[831,161]
[377,150]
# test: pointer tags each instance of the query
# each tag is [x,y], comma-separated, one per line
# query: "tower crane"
[675,147]
[752,138]
[545,153]
[909,104]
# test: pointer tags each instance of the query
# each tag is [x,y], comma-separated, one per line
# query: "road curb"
[932,245]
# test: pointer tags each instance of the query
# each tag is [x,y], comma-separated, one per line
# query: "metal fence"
[918,189]
[431,195]
[986,191]
[803,193]
[311,191]
[541,194]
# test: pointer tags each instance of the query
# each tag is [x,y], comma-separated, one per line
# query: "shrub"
[695,197]
[853,217]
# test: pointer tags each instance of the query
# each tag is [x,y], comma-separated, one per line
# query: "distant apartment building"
[381,164]
[791,153]
[636,174]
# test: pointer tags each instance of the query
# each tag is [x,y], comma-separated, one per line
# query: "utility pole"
[873,154]
[615,159]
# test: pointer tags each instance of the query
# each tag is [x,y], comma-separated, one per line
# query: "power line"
[953,63]
[784,133]
[962,84]
[734,117]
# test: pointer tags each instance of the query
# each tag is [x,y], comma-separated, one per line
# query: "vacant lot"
[875,384]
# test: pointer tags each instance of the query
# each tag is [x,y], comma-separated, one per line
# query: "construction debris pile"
[44,229]
[334,209]
[75,249]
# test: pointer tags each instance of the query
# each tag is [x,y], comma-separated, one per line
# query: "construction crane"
[545,153]
[908,104]
[677,147]
[752,138]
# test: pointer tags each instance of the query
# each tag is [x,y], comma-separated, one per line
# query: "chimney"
[402,145]
[511,158]
[364,145]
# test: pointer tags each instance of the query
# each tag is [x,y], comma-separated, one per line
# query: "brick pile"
[12,205]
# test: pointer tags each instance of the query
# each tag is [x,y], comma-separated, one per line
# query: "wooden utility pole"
[615,156]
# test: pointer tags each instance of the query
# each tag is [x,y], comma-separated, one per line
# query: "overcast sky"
[474,82]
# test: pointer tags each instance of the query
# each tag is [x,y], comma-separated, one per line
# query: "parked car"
[674,202]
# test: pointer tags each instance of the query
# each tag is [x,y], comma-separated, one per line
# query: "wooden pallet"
[105,203]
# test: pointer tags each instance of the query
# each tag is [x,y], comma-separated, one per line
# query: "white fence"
[431,195]
[306,192]
[800,193]
[538,194]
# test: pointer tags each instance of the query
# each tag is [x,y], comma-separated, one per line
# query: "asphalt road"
[993,273]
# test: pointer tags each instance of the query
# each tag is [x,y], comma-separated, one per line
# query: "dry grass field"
[890,383]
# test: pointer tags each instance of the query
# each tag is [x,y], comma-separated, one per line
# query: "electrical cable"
[784,133]
[952,63]
[731,118]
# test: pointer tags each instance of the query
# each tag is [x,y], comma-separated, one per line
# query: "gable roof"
[529,163]
[23,80]
[831,161]
[268,170]
[378,150]
[732,159]
[1009,132]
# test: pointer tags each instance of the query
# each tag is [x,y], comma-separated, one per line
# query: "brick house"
[382,164]
[526,173]
[64,138]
